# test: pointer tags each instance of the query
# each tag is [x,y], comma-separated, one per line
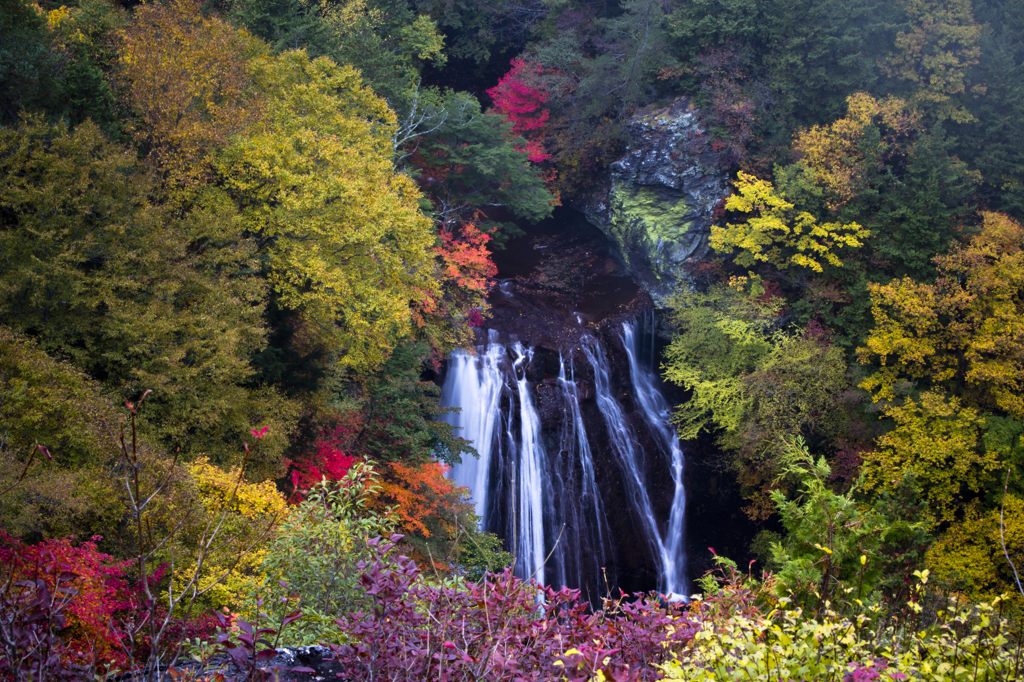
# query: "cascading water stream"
[538,481]
[582,508]
[531,483]
[657,413]
[474,385]
[629,454]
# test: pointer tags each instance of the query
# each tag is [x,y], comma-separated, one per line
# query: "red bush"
[497,630]
[101,591]
[331,461]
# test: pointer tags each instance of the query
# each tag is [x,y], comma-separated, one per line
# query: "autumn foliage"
[101,591]
[422,495]
[524,106]
[186,74]
[332,460]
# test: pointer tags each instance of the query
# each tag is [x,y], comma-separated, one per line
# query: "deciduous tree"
[185,73]
[777,233]
[346,243]
[964,331]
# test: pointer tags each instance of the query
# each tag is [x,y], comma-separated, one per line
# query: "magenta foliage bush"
[498,630]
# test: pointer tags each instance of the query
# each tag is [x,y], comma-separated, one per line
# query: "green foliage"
[994,144]
[83,41]
[401,414]
[750,379]
[473,161]
[50,403]
[282,24]
[385,41]
[27,67]
[921,206]
[834,545]
[138,296]
[316,553]
[479,554]
[933,53]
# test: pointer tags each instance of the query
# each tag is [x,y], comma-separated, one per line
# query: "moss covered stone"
[657,201]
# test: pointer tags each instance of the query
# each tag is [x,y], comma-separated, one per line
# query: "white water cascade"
[531,482]
[582,508]
[631,459]
[540,476]
[474,384]
[657,412]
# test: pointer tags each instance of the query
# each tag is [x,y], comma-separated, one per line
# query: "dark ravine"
[562,288]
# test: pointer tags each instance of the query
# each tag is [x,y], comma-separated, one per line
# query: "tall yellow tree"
[965,331]
[347,244]
[186,75]
[937,441]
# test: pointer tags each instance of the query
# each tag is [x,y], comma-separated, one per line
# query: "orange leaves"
[421,494]
[186,74]
[465,258]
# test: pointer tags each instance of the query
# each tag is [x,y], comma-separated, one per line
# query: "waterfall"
[630,457]
[657,411]
[531,483]
[474,385]
[582,509]
[538,480]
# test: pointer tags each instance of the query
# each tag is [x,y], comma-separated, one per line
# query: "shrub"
[746,634]
[502,628]
[312,562]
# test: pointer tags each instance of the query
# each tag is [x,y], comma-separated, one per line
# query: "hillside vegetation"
[236,237]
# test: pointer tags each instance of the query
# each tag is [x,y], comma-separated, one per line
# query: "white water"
[550,501]
[657,412]
[530,486]
[584,511]
[474,384]
[630,456]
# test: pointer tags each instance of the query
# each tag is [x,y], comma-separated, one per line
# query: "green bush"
[312,564]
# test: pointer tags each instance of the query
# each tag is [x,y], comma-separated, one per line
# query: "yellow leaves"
[777,234]
[966,328]
[186,75]
[217,487]
[347,243]
[61,21]
[935,53]
[835,152]
[970,553]
[935,441]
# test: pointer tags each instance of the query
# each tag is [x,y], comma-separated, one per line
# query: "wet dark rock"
[548,399]
[655,204]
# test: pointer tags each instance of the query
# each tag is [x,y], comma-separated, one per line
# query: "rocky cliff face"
[656,203]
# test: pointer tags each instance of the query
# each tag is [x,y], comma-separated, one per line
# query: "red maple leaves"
[523,105]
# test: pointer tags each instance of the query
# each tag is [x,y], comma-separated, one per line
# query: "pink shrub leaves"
[497,630]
